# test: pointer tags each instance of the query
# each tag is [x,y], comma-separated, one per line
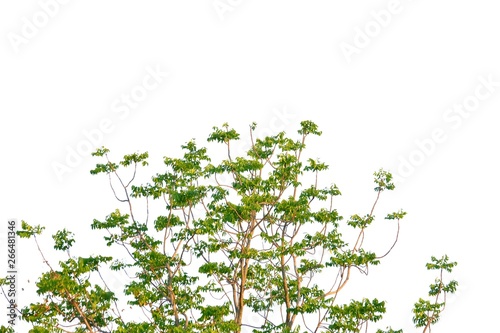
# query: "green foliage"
[427,313]
[63,240]
[69,295]
[249,236]
[353,316]
[383,180]
[389,330]
[28,231]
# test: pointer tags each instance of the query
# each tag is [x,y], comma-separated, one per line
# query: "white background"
[257,60]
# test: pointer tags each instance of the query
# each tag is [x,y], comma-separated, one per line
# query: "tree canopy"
[243,243]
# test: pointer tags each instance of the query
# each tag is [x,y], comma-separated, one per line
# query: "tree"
[252,234]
